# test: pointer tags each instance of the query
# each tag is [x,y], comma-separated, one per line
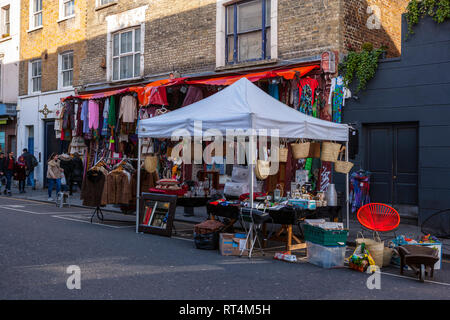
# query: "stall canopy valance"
[243,106]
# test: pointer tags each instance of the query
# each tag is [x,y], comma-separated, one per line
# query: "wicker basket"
[375,248]
[314,150]
[342,166]
[283,154]
[330,151]
[300,150]
[262,169]
[151,163]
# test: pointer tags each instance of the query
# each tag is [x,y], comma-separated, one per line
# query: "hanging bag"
[283,152]
[375,247]
[262,169]
[330,151]
[300,150]
[314,150]
[342,166]
[151,163]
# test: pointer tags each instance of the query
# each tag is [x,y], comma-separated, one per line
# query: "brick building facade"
[188,37]
[52,37]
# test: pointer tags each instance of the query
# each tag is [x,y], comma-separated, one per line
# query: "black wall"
[414,88]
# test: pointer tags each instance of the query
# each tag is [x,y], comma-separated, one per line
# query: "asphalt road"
[38,242]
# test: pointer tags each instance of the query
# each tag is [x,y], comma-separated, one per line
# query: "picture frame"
[156,214]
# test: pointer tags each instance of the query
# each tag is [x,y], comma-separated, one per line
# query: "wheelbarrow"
[419,258]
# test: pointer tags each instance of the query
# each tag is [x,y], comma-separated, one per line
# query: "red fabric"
[179,193]
[313,83]
[158,95]
[10,164]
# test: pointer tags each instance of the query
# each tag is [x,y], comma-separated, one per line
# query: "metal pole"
[251,166]
[347,190]
[138,191]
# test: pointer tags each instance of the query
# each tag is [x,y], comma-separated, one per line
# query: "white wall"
[9,49]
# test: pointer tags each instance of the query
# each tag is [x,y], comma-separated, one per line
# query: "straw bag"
[151,163]
[300,150]
[314,150]
[262,169]
[375,247]
[342,166]
[330,151]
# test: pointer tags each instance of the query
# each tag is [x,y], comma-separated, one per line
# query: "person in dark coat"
[77,172]
[20,173]
[65,162]
[2,171]
[9,166]
[31,163]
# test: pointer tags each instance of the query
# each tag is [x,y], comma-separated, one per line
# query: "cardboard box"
[231,244]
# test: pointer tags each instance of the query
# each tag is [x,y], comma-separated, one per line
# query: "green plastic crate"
[324,237]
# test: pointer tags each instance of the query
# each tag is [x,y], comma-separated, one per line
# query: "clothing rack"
[98,211]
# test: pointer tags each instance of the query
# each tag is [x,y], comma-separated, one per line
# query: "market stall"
[242,106]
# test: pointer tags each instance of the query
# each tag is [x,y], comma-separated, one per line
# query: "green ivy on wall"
[439,10]
[362,64]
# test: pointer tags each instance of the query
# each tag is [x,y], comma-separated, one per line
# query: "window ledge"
[105,6]
[126,80]
[66,18]
[35,29]
[246,64]
[5,39]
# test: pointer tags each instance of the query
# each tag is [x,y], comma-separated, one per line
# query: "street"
[39,241]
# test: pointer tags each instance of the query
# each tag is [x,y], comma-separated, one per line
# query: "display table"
[286,217]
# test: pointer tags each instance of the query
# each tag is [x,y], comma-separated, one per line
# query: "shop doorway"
[51,145]
[392,158]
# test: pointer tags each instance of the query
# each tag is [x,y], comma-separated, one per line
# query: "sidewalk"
[200,215]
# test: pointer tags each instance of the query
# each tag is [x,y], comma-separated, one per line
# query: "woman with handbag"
[53,175]
[20,173]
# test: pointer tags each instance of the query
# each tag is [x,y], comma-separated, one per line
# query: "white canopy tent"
[241,106]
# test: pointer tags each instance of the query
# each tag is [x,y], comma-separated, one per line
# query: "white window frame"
[132,53]
[6,22]
[221,31]
[61,70]
[133,18]
[100,4]
[31,78]
[62,4]
[33,14]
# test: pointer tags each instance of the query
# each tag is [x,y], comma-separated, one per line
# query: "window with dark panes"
[247,31]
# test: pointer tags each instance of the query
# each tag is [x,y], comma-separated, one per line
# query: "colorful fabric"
[93,114]
[359,189]
[112,112]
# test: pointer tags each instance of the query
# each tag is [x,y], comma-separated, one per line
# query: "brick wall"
[49,41]
[181,35]
[356,31]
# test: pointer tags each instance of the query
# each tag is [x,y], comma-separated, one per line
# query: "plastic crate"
[325,257]
[324,237]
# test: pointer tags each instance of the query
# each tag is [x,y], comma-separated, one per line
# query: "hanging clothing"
[295,94]
[307,89]
[274,91]
[338,94]
[112,112]
[117,189]
[92,188]
[105,129]
[193,94]
[359,189]
[93,114]
[128,109]
[158,96]
[85,116]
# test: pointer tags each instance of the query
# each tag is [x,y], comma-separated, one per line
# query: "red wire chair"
[378,217]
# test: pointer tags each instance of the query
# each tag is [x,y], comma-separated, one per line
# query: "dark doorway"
[392,158]
[52,144]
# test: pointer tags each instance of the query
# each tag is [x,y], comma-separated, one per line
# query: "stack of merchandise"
[326,243]
[206,234]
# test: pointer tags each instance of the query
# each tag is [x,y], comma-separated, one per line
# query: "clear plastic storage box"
[325,257]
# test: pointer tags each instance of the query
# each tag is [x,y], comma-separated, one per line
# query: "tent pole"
[347,191]
[252,171]
[138,186]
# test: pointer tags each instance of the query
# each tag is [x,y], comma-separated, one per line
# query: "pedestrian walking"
[8,166]
[77,172]
[20,173]
[32,163]
[2,171]
[65,162]
[53,175]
